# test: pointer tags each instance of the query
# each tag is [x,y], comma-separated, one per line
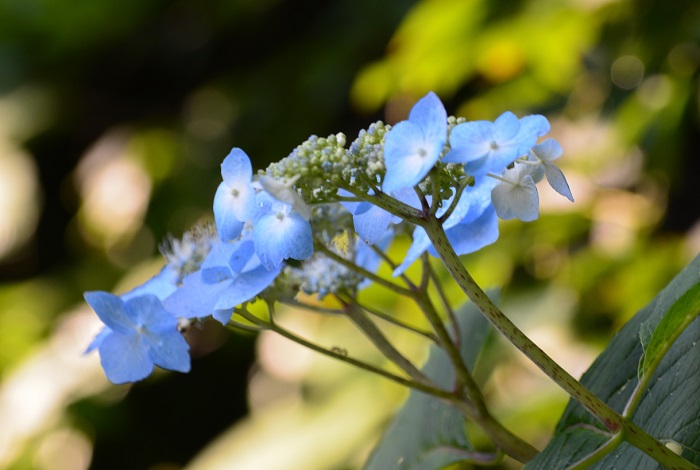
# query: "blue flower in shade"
[471,226]
[280,233]
[412,147]
[486,147]
[234,202]
[139,333]
[547,152]
[230,275]
[516,195]
[372,222]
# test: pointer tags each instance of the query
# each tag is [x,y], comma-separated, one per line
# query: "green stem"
[272,326]
[599,453]
[473,404]
[379,340]
[320,246]
[394,321]
[612,420]
[443,298]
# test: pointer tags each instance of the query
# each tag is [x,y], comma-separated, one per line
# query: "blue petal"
[548,151]
[215,267]
[236,167]
[472,236]
[412,147]
[241,258]
[430,115]
[150,314]
[245,287]
[371,224]
[124,358]
[98,339]
[517,201]
[505,127]
[161,285]
[169,350]
[196,298]
[557,180]
[407,156]
[421,242]
[280,234]
[110,309]
[227,224]
[534,124]
[469,141]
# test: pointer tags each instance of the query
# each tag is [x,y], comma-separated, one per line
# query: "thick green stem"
[473,404]
[612,420]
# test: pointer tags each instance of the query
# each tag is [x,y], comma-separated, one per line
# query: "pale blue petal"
[169,350]
[110,309]
[372,224]
[124,358]
[281,234]
[98,339]
[517,200]
[430,115]
[505,127]
[549,150]
[223,316]
[469,141]
[161,285]
[472,236]
[245,287]
[557,180]
[196,298]
[149,313]
[350,206]
[241,257]
[407,156]
[227,224]
[534,125]
[236,168]
[421,242]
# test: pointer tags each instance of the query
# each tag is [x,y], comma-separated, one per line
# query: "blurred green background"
[115,116]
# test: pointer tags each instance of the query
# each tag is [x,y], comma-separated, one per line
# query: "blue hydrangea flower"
[516,195]
[280,233]
[161,285]
[471,226]
[547,152]
[412,147]
[371,222]
[234,202]
[486,147]
[139,334]
[230,275]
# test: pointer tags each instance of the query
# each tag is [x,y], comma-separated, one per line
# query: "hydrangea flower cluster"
[319,220]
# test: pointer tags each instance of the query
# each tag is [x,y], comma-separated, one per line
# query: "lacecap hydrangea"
[319,220]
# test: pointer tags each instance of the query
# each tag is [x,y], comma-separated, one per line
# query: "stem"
[430,389]
[473,404]
[469,181]
[379,340]
[443,298]
[598,408]
[598,454]
[394,321]
[320,246]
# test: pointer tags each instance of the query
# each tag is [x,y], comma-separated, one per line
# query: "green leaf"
[669,408]
[679,316]
[427,433]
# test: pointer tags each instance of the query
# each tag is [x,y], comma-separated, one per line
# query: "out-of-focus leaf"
[669,408]
[427,433]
